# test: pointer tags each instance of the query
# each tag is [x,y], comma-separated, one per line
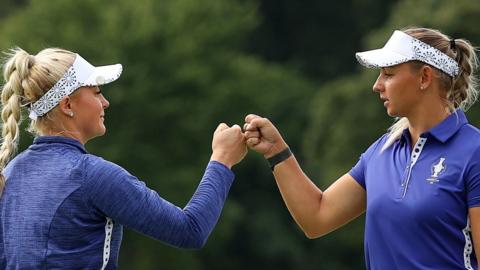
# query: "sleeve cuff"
[474,202]
[359,179]
[221,168]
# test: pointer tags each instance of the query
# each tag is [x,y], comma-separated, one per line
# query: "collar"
[49,140]
[448,127]
[445,129]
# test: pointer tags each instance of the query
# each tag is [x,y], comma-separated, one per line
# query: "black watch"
[279,157]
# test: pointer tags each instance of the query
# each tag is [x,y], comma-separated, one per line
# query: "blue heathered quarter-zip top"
[63,208]
[418,198]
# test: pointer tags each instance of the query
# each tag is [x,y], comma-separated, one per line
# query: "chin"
[102,129]
[392,113]
[100,132]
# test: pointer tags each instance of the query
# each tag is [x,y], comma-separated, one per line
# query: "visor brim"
[104,75]
[380,58]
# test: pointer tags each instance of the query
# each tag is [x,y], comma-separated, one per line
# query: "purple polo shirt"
[418,198]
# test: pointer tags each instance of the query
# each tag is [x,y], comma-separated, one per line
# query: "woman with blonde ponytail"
[63,208]
[419,184]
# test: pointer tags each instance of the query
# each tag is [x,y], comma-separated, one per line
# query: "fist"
[228,145]
[262,136]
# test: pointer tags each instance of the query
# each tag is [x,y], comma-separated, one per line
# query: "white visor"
[402,48]
[80,74]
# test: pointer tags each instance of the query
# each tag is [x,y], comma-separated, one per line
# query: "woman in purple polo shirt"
[63,208]
[419,184]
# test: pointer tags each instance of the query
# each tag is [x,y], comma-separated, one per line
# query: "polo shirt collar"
[50,140]
[445,129]
[448,127]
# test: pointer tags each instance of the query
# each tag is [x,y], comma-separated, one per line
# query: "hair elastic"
[453,46]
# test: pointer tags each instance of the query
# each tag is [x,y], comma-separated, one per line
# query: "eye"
[387,73]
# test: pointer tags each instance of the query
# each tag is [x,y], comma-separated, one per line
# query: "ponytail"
[16,70]
[27,78]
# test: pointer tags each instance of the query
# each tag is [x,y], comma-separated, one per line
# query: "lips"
[385,101]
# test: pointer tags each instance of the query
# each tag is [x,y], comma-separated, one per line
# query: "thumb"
[237,127]
[221,127]
[258,124]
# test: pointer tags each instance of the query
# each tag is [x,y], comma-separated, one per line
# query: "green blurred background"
[189,65]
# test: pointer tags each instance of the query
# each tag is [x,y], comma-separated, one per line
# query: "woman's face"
[399,89]
[88,105]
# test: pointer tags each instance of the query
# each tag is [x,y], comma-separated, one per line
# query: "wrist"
[221,158]
[279,157]
[275,149]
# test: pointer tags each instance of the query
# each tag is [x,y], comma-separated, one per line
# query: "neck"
[66,133]
[425,118]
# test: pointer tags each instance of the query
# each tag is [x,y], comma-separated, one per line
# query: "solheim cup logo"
[437,169]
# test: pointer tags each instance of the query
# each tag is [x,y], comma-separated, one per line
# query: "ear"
[65,106]
[426,76]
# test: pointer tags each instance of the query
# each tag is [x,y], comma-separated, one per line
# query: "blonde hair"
[27,78]
[460,91]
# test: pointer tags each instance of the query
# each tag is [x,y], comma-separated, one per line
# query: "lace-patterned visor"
[402,48]
[80,74]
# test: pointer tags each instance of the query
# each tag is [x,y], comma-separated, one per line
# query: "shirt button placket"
[417,150]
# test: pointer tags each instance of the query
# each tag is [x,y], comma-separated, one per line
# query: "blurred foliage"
[189,65]
[316,37]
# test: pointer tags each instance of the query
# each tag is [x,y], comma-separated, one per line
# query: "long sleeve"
[128,201]
[3,260]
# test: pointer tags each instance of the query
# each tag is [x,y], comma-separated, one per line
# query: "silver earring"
[71,114]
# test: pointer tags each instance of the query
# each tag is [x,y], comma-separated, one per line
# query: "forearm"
[205,206]
[130,202]
[191,226]
[302,197]
[316,212]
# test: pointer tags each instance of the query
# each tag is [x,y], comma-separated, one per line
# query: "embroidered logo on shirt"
[437,169]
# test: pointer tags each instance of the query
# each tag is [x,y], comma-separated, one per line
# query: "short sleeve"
[472,180]
[358,171]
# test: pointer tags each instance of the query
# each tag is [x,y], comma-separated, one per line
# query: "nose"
[378,86]
[105,102]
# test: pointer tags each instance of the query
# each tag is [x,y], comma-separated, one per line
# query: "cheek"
[399,86]
[91,113]
[96,107]
[87,120]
